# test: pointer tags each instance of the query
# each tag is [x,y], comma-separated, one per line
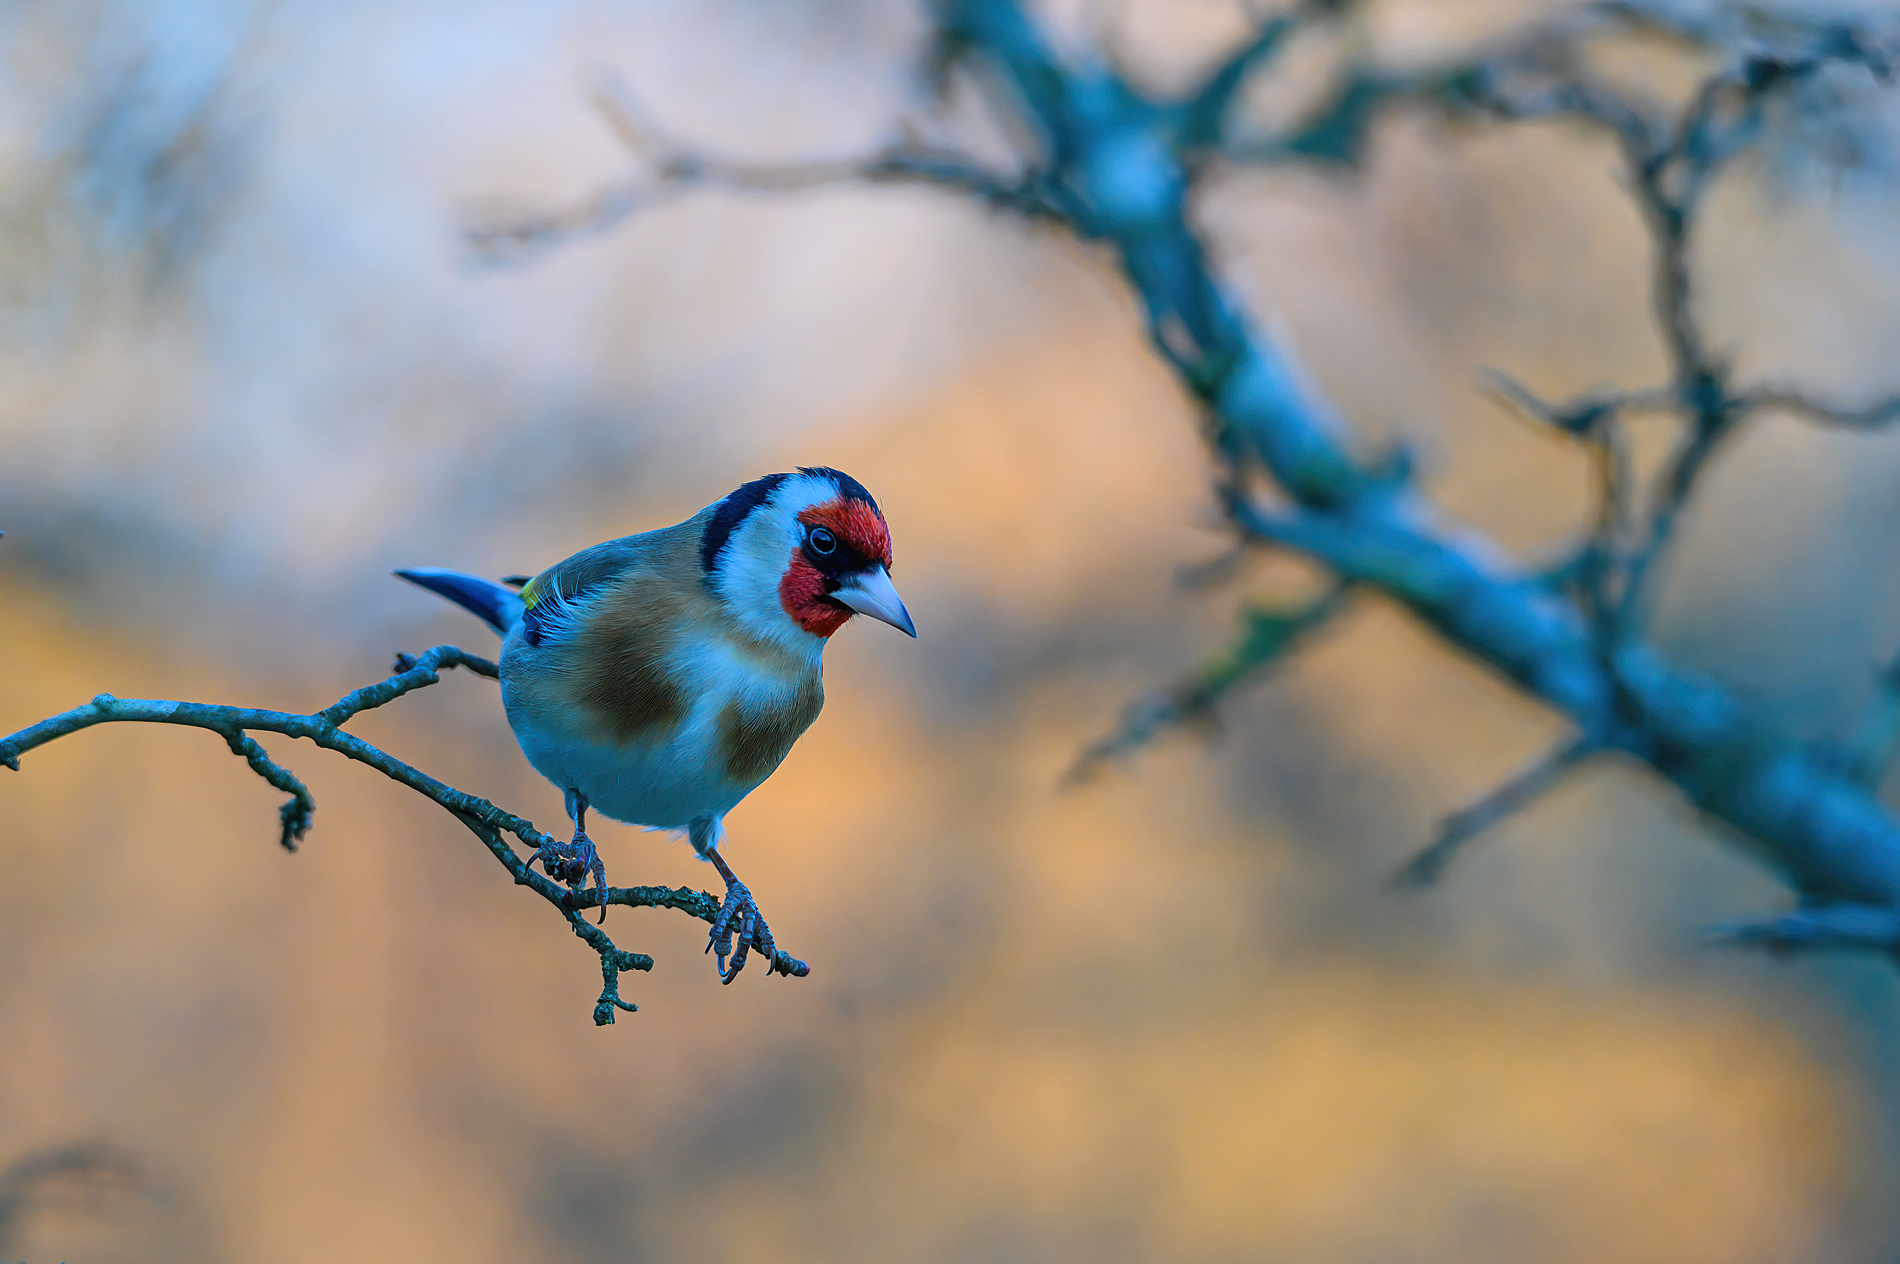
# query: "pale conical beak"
[872,593]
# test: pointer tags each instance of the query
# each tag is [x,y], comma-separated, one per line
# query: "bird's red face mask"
[841,568]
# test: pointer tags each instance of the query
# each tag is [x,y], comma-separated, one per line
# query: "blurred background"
[247,366]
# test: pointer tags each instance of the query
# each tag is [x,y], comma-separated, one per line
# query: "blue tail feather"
[499,606]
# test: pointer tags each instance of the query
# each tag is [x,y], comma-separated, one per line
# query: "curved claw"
[600,880]
[738,963]
[739,918]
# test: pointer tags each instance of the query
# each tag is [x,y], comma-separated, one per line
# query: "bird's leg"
[572,862]
[739,915]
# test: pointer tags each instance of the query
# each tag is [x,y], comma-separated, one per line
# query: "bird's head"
[796,555]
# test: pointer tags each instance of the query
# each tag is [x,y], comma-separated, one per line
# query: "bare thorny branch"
[669,170]
[1119,166]
[486,821]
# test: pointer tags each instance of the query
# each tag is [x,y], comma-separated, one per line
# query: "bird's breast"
[659,726]
[755,732]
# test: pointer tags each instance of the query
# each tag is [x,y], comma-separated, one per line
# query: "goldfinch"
[660,678]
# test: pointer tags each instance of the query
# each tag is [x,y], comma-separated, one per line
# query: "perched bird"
[659,678]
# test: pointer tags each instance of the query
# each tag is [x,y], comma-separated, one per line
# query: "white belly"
[666,785]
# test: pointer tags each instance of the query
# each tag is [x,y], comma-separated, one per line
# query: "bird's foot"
[739,916]
[571,863]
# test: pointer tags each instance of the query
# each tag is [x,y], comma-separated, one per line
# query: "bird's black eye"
[822,541]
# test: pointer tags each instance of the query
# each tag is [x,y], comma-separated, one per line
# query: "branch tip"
[1814,927]
[1522,789]
[1268,635]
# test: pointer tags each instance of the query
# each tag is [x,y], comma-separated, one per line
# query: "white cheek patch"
[756,557]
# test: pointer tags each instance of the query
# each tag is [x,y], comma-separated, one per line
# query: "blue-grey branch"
[487,822]
[1130,172]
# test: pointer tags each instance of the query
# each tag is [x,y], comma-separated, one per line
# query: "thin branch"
[1597,571]
[1815,927]
[1674,488]
[628,118]
[1604,571]
[1578,416]
[1597,420]
[679,172]
[1874,416]
[488,822]
[1268,636]
[1204,113]
[1461,827]
[296,813]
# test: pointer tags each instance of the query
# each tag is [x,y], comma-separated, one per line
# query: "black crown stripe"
[731,512]
[734,509]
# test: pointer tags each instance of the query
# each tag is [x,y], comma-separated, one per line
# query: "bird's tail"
[501,607]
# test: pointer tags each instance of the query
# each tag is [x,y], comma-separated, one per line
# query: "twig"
[488,822]
[1204,112]
[1874,416]
[1462,826]
[1269,635]
[1676,484]
[1579,416]
[1814,927]
[296,813]
[675,172]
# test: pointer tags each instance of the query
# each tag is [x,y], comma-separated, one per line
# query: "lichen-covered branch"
[487,822]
